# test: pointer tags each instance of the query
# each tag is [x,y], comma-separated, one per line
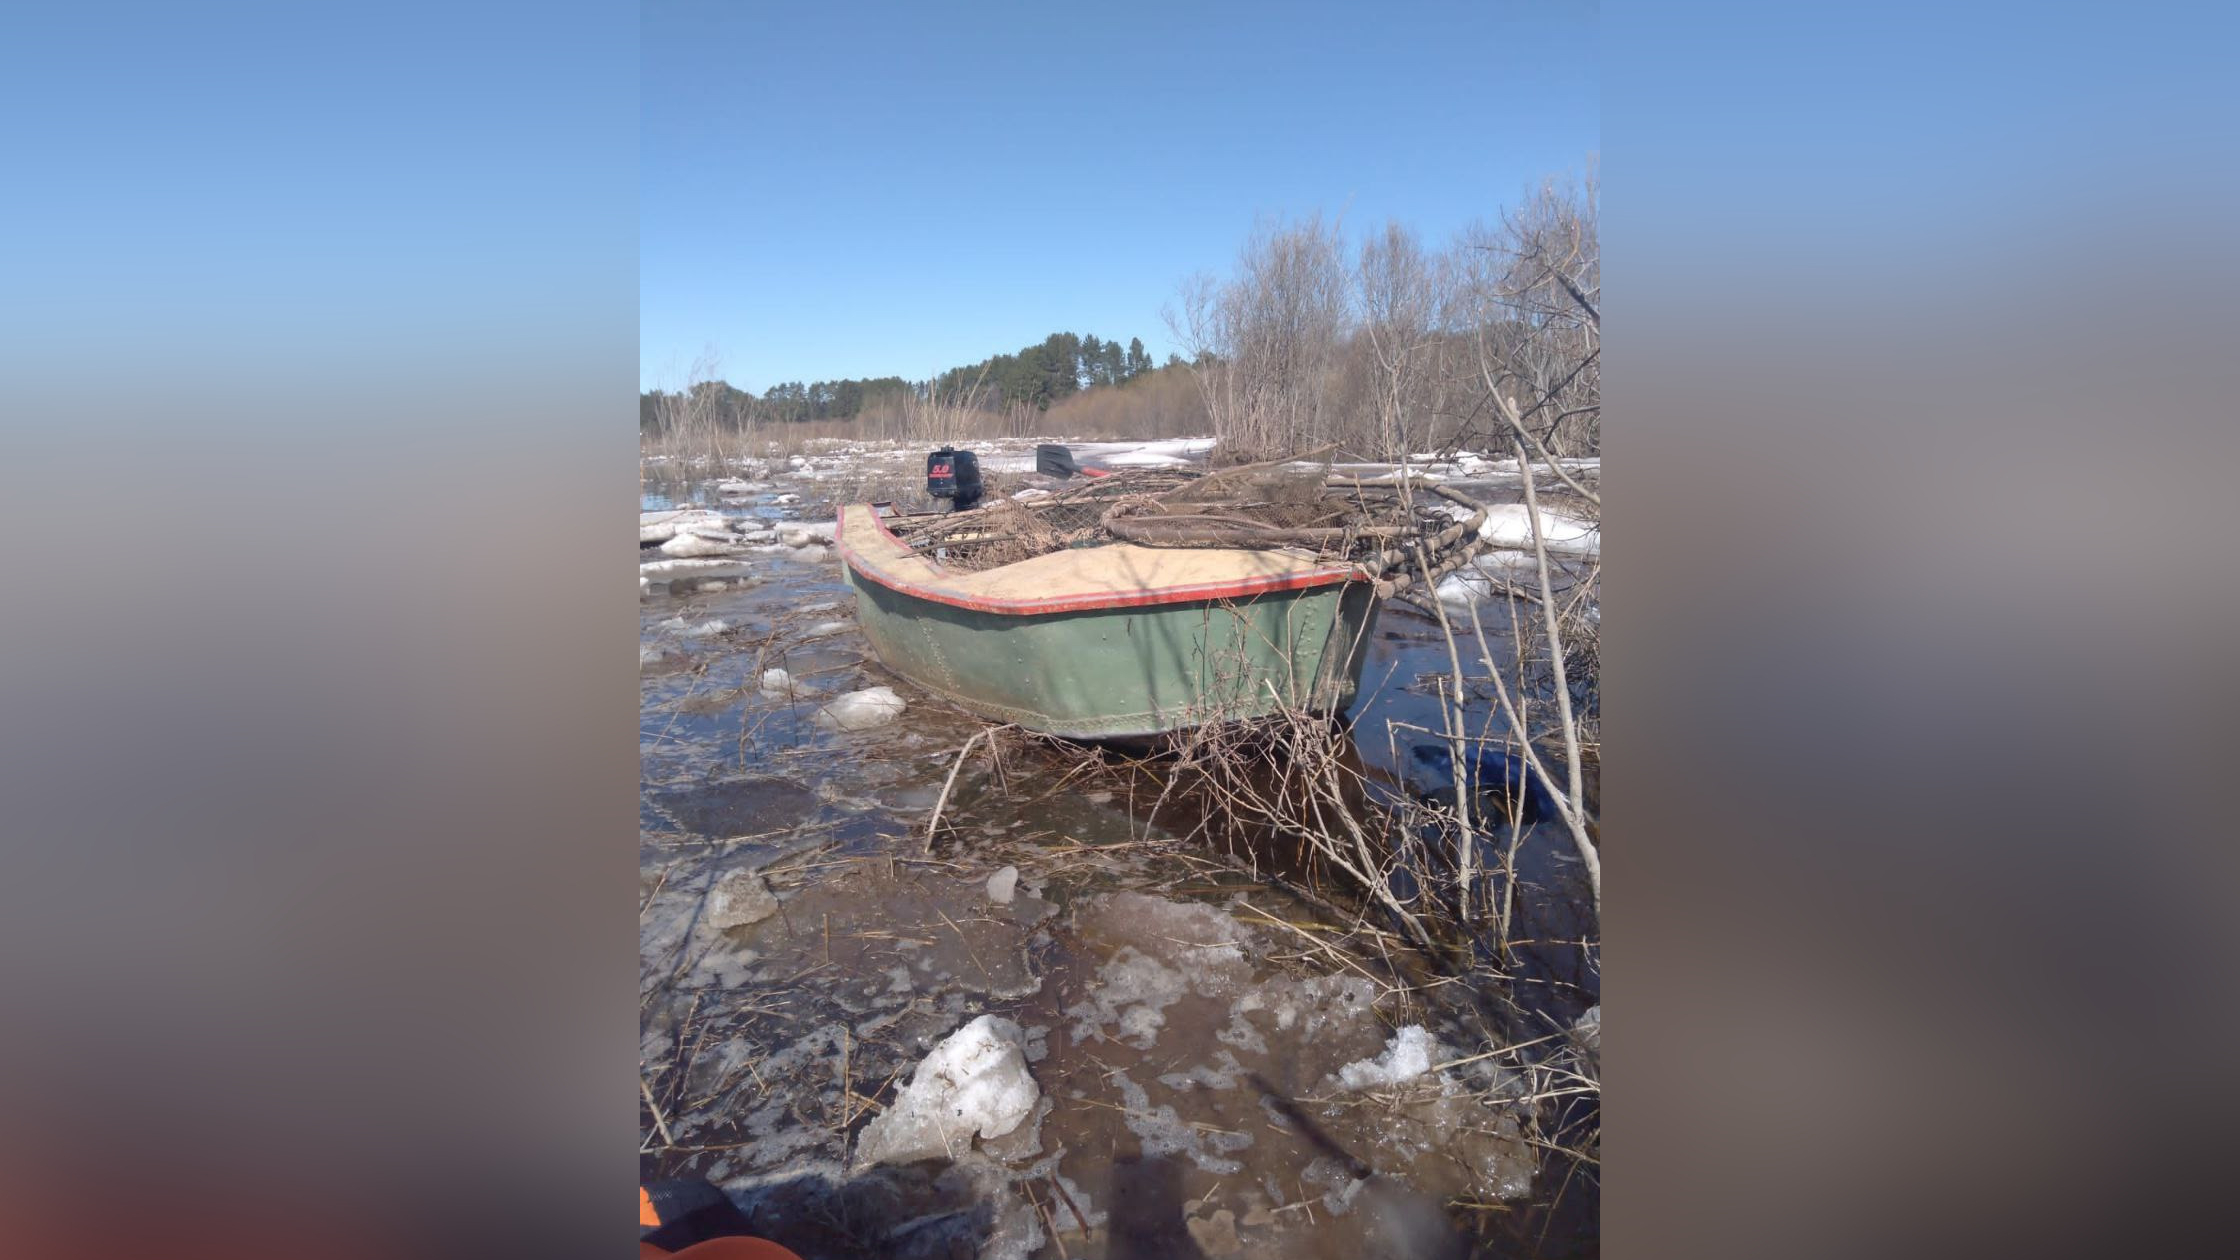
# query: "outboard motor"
[1053,460]
[955,476]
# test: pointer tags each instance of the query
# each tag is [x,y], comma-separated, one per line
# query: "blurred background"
[319,332]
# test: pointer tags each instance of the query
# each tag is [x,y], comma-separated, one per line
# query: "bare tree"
[1404,301]
[1535,294]
[696,427]
[1266,343]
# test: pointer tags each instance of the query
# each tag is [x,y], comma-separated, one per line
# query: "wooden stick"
[941,802]
[659,1124]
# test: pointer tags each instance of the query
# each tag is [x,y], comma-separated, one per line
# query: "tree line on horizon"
[1038,376]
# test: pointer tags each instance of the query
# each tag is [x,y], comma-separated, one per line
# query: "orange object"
[736,1248]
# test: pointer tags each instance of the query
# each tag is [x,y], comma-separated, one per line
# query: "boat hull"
[1146,667]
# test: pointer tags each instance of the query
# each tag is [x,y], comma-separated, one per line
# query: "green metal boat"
[1116,640]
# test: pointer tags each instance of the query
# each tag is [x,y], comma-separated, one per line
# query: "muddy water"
[1208,1046]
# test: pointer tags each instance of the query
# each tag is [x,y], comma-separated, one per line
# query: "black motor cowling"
[954,475]
[1053,460]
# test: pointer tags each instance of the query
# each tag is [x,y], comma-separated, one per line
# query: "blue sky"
[848,189]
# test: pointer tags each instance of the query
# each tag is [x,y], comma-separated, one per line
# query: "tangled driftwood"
[1395,535]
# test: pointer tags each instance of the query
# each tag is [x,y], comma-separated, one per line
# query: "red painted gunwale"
[1243,588]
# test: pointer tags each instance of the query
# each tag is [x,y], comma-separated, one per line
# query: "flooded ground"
[1223,1064]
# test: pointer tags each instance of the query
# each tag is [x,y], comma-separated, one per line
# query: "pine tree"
[1138,361]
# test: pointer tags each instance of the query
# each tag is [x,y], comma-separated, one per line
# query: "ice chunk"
[1510,524]
[777,682]
[861,710]
[693,629]
[1132,990]
[975,1081]
[811,554]
[1589,1029]
[1003,884]
[825,628]
[672,570]
[650,653]
[739,899]
[1407,1055]
[695,547]
[662,526]
[1513,566]
[802,533]
[1461,590]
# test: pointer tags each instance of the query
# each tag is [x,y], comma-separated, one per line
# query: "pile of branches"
[1397,534]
